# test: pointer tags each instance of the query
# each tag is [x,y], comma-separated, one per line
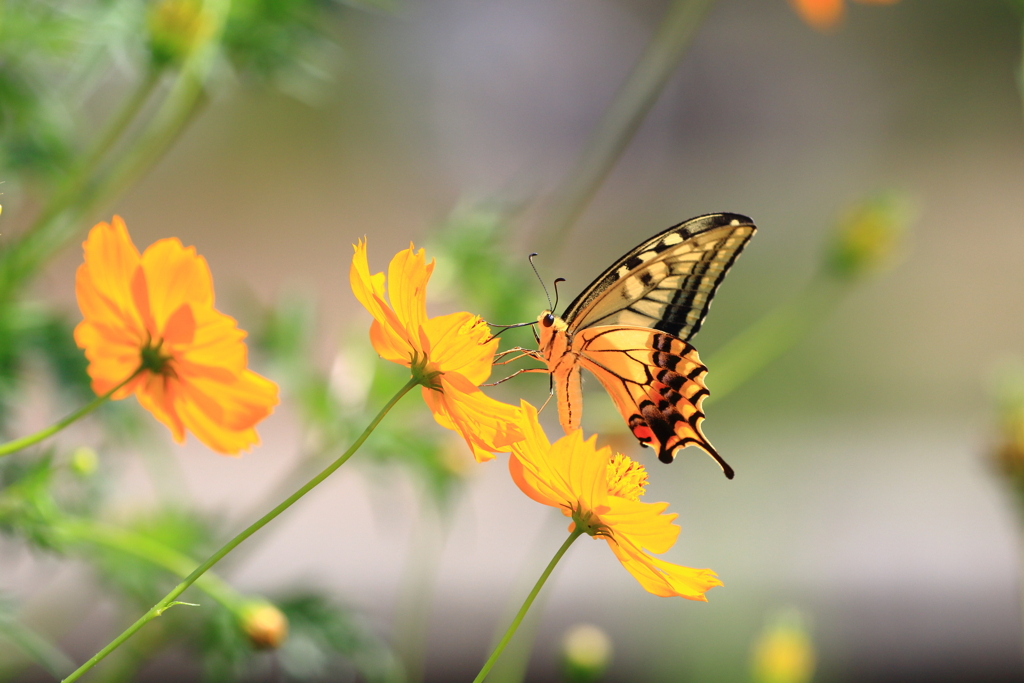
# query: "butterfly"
[631,328]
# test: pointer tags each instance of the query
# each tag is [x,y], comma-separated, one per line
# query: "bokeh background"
[866,493]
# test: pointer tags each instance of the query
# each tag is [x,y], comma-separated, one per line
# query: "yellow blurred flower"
[151,318]
[601,493]
[783,653]
[825,14]
[264,624]
[176,28]
[450,355]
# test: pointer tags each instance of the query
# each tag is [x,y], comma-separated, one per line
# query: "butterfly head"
[550,327]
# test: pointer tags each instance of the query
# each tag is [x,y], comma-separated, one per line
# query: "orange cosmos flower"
[151,318]
[825,14]
[450,355]
[601,492]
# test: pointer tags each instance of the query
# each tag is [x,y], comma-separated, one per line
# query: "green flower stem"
[169,600]
[32,439]
[152,551]
[624,115]
[489,664]
[751,350]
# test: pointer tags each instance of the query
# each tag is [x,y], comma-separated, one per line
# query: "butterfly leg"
[517,372]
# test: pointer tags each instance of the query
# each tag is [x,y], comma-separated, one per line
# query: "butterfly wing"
[667,282]
[656,381]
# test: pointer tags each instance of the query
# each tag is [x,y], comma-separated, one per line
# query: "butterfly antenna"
[508,327]
[545,288]
[557,280]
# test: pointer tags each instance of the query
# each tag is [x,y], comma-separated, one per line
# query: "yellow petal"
[459,343]
[389,335]
[408,274]
[663,578]
[487,425]
[223,414]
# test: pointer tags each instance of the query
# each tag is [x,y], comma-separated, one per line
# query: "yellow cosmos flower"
[601,493]
[450,355]
[151,318]
[825,14]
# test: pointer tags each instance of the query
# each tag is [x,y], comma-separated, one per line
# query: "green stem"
[152,551]
[84,171]
[489,664]
[26,441]
[624,115]
[168,599]
[751,350]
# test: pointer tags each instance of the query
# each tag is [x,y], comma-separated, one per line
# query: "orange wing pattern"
[631,328]
[656,381]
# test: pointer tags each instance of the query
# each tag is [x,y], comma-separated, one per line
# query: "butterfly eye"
[548,320]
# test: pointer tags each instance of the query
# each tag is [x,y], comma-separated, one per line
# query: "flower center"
[626,477]
[151,358]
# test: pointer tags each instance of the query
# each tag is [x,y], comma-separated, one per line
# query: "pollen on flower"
[626,477]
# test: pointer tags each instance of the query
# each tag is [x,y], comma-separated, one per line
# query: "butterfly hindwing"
[667,282]
[656,381]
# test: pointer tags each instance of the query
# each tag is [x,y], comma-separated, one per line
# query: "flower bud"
[586,653]
[867,236]
[264,624]
[783,652]
[84,461]
[176,27]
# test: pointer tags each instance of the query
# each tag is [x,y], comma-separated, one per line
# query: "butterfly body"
[631,328]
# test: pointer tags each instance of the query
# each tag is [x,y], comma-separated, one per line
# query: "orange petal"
[157,395]
[821,14]
[223,414]
[216,346]
[181,326]
[175,275]
[103,281]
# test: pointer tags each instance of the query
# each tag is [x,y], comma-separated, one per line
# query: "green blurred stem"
[169,599]
[32,439]
[623,116]
[186,95]
[526,606]
[152,551]
[771,336]
[39,649]
[121,121]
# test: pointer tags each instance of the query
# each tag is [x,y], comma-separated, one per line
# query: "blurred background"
[875,496]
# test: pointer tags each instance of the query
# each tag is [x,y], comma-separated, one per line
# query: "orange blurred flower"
[151,318]
[824,14]
[601,493]
[450,355]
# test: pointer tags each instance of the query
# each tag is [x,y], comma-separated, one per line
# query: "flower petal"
[486,424]
[663,578]
[103,281]
[821,14]
[223,414]
[461,342]
[175,275]
[388,334]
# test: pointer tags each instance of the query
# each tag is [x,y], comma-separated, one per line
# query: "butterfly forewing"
[667,282]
